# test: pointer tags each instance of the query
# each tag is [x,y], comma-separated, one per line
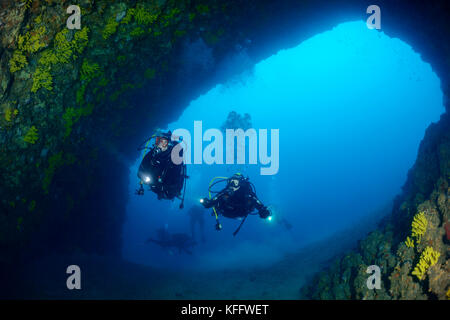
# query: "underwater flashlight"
[269,218]
[201,200]
[147,179]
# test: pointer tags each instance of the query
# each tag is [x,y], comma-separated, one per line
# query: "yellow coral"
[31,41]
[48,58]
[63,48]
[110,28]
[42,79]
[31,136]
[143,16]
[129,16]
[18,61]
[61,53]
[428,258]
[419,226]
[38,19]
[28,3]
[89,70]
[80,40]
[72,115]
[10,114]
[409,242]
[136,32]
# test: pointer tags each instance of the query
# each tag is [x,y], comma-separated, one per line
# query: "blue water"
[351,106]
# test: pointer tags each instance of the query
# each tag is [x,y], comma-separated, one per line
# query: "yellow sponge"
[31,136]
[419,226]
[428,258]
[409,242]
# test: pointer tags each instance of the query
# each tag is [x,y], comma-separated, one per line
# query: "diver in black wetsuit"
[158,171]
[237,200]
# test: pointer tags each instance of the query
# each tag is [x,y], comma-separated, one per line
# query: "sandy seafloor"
[108,278]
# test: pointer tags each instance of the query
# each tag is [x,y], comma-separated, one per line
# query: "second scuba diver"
[196,214]
[237,200]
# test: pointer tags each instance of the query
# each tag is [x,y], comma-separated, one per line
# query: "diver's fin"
[239,228]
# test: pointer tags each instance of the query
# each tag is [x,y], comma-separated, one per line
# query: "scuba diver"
[286,224]
[196,217]
[237,200]
[157,170]
[237,121]
[180,241]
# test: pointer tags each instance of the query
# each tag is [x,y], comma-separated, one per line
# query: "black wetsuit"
[166,177]
[237,201]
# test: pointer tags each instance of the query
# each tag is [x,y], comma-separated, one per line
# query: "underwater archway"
[64,187]
[352,106]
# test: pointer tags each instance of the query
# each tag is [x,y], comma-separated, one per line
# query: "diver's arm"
[209,203]
[263,211]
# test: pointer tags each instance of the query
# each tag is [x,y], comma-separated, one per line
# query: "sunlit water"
[351,105]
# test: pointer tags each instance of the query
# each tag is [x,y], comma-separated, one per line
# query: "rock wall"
[71,101]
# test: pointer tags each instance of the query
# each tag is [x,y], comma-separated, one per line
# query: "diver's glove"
[207,203]
[264,213]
